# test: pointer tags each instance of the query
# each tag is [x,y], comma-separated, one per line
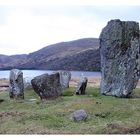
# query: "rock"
[16,85]
[119,50]
[79,115]
[27,83]
[81,87]
[65,77]
[47,86]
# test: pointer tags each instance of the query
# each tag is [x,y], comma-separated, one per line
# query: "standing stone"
[65,77]
[81,87]
[27,83]
[47,86]
[119,50]
[16,85]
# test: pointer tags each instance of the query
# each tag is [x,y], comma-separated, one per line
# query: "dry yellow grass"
[4,83]
[92,82]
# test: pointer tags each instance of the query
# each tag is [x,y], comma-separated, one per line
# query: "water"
[33,73]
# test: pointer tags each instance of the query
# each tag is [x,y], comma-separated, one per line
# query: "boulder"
[119,51]
[16,85]
[81,87]
[65,77]
[47,86]
[79,115]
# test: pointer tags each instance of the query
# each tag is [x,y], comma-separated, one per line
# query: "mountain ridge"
[81,54]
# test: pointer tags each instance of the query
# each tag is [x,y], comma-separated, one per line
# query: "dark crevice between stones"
[1,100]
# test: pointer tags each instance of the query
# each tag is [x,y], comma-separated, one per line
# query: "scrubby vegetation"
[106,114]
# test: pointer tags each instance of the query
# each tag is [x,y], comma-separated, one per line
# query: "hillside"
[8,62]
[78,61]
[82,54]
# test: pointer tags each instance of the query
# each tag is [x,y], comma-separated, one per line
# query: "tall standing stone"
[65,77]
[16,85]
[47,86]
[119,50]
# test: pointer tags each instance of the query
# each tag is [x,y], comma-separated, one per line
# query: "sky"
[28,28]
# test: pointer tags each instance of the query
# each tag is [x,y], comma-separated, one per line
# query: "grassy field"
[106,114]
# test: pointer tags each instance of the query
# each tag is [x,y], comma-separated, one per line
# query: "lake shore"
[4,84]
[92,82]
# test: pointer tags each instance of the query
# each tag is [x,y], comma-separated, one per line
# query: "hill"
[82,54]
[8,62]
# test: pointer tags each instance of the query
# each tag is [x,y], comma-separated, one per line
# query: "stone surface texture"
[47,86]
[79,115]
[27,83]
[16,85]
[120,59]
[81,86]
[65,77]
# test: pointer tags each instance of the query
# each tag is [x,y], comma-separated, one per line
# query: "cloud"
[29,31]
[24,29]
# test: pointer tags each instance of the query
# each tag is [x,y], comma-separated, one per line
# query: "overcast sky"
[24,29]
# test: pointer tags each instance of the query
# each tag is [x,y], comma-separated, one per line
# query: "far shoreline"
[32,73]
[92,82]
[50,70]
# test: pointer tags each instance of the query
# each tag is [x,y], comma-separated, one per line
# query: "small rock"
[79,115]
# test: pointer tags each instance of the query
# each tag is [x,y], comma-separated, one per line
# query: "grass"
[106,114]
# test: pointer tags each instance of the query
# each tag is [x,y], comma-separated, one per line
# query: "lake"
[33,73]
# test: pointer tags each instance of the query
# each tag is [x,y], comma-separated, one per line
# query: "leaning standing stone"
[65,77]
[16,86]
[81,87]
[47,86]
[119,50]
